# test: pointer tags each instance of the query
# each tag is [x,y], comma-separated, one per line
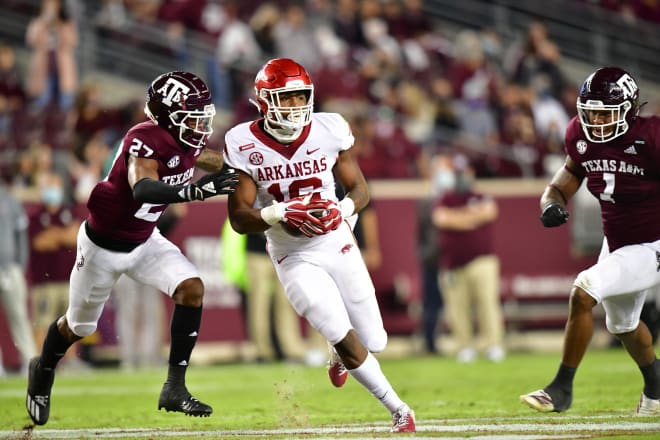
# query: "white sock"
[372,378]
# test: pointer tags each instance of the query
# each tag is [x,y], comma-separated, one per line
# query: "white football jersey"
[283,172]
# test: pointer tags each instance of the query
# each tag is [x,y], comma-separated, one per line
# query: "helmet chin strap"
[283,135]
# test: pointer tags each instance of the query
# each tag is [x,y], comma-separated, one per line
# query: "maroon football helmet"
[613,90]
[180,102]
[278,76]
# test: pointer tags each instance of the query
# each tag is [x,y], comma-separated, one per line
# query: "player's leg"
[368,335]
[151,306]
[628,269]
[287,322]
[160,264]
[623,321]
[91,282]
[458,308]
[258,299]
[484,274]
[126,319]
[13,292]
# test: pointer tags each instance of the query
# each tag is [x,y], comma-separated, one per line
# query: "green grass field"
[280,401]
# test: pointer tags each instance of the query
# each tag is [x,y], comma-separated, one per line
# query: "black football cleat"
[40,382]
[177,398]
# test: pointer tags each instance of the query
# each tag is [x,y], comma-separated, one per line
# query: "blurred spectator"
[53,38]
[417,112]
[441,178]
[474,87]
[87,170]
[345,23]
[340,85]
[236,50]
[273,327]
[268,308]
[53,231]
[12,100]
[91,116]
[34,164]
[263,24]
[383,149]
[536,55]
[139,324]
[296,39]
[13,286]
[470,269]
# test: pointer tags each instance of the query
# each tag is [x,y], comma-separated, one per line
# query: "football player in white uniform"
[287,162]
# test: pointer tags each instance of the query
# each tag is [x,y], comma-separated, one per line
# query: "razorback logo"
[346,248]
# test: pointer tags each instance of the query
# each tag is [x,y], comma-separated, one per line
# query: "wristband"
[273,213]
[347,207]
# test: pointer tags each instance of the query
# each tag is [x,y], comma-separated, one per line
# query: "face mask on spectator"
[443,180]
[52,195]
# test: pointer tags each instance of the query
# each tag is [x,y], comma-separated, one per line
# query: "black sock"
[184,329]
[564,379]
[651,375]
[55,346]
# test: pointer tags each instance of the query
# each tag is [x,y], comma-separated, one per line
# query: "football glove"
[554,215]
[209,185]
[311,215]
[330,215]
[303,214]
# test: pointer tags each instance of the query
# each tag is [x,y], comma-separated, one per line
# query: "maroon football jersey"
[624,175]
[458,248]
[52,266]
[113,212]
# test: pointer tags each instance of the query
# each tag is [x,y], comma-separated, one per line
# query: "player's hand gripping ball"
[311,215]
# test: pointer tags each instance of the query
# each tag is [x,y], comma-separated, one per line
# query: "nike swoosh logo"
[313,151]
[279,260]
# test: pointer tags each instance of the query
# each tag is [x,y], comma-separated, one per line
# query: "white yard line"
[497,429]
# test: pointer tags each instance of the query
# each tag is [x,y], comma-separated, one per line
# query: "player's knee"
[75,330]
[581,300]
[189,293]
[377,341]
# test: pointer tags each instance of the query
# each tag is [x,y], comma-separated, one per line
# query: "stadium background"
[537,266]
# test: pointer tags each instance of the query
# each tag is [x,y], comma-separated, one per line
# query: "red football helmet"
[276,77]
[613,90]
[180,102]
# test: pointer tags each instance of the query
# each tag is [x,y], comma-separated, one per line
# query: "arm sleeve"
[154,191]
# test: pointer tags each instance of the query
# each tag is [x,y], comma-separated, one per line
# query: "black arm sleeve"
[154,191]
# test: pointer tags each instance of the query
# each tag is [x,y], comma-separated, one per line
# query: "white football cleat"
[648,406]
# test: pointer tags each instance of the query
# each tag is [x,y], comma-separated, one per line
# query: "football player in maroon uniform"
[618,152]
[152,169]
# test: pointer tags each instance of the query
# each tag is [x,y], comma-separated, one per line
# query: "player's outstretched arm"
[147,187]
